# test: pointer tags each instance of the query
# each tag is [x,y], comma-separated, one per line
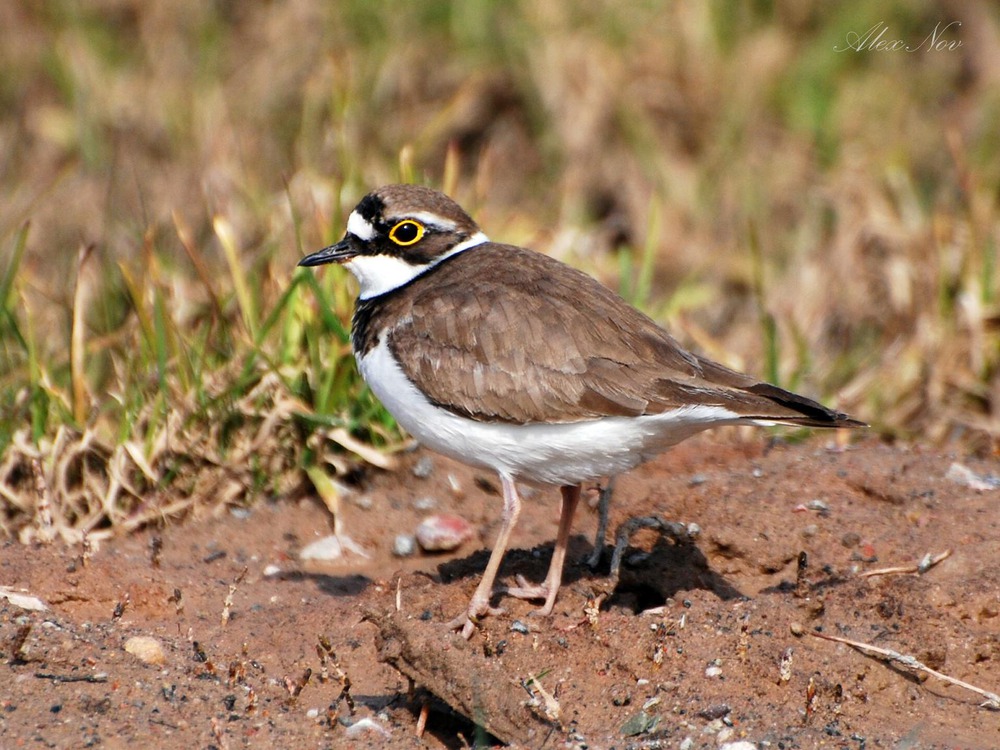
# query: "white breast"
[543,453]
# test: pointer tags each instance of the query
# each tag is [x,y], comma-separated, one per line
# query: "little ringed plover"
[509,360]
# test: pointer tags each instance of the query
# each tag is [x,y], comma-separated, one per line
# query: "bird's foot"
[531,591]
[478,608]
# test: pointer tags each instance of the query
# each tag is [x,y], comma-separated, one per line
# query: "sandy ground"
[701,644]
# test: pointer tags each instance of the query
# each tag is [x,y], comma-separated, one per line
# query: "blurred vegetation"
[821,216]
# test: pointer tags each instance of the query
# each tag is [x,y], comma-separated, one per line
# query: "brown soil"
[621,678]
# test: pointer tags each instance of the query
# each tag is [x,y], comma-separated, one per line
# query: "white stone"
[146,649]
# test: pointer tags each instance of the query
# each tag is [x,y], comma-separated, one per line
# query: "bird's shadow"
[354,584]
[646,578]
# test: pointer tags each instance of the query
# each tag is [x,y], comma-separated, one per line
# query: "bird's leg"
[550,587]
[603,503]
[479,605]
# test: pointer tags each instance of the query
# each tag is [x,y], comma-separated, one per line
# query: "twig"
[549,704]
[422,718]
[926,563]
[905,660]
[327,656]
[71,677]
[227,605]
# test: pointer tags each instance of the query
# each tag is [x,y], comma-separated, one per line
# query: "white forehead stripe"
[360,227]
[433,220]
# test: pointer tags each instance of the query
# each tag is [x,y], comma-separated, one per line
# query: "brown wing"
[503,333]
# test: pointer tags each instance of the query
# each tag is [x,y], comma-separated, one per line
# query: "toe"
[467,621]
[525,590]
[546,609]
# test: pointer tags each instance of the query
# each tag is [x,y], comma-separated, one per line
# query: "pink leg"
[479,605]
[550,587]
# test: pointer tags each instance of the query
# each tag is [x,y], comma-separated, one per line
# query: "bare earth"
[702,670]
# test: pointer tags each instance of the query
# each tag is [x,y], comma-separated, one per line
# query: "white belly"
[544,453]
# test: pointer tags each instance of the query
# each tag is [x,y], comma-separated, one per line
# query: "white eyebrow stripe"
[477,239]
[432,220]
[360,227]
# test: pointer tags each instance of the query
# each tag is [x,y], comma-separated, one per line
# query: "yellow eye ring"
[406,232]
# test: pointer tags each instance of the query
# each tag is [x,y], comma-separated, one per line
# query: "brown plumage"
[542,342]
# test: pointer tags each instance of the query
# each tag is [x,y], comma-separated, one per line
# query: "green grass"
[825,220]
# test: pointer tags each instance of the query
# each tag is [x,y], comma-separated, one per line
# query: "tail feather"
[813,414]
[777,405]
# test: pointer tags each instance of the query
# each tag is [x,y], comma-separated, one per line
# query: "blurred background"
[782,183]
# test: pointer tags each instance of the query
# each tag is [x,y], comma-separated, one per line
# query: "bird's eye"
[406,232]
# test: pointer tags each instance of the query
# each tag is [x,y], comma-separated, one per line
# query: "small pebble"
[364,502]
[146,649]
[964,475]
[796,628]
[714,712]
[24,601]
[851,539]
[404,545]
[686,744]
[443,532]
[757,473]
[694,530]
[327,548]
[818,505]
[423,468]
[271,570]
[741,745]
[240,513]
[697,479]
[637,724]
[713,671]
[366,725]
[519,627]
[810,530]
[712,727]
[424,503]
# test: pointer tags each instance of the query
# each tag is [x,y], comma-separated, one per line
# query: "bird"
[509,360]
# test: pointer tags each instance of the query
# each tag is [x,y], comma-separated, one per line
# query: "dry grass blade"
[329,492]
[7,281]
[343,438]
[197,260]
[81,404]
[227,238]
[927,562]
[909,662]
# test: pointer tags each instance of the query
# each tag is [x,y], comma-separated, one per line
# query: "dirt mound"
[702,643]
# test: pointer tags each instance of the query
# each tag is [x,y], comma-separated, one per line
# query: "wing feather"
[499,333]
